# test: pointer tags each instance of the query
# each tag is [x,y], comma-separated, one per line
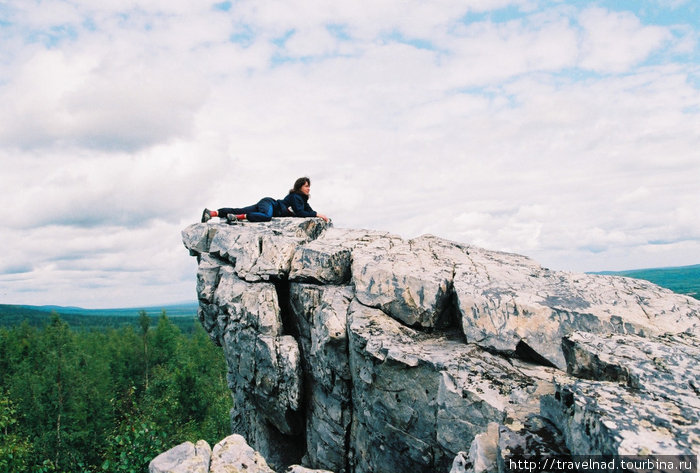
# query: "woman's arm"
[300,208]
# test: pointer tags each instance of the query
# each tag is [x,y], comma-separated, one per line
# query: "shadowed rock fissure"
[525,352]
[450,319]
[348,438]
[296,443]
[289,326]
[595,369]
[522,351]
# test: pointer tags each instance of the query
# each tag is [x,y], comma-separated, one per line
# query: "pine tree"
[145,323]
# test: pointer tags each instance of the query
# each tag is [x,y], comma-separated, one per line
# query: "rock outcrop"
[358,351]
[185,458]
[231,455]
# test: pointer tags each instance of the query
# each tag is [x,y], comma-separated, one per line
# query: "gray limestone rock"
[508,302]
[209,313]
[499,447]
[409,280]
[358,351]
[320,315]
[184,458]
[233,455]
[197,238]
[483,452]
[328,260]
[258,251]
[264,363]
[537,438]
[207,278]
[253,307]
[668,365]
[640,398]
[230,455]
[427,396]
[461,463]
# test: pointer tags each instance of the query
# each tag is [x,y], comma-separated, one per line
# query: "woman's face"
[306,189]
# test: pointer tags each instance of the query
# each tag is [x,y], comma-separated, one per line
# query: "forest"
[107,400]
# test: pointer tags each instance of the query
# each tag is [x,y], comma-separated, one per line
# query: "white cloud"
[540,134]
[615,41]
[98,101]
[488,52]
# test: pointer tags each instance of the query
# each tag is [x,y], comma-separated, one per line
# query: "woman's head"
[302,186]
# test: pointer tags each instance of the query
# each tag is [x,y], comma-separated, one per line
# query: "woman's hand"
[326,219]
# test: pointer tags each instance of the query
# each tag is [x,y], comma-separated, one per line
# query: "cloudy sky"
[568,131]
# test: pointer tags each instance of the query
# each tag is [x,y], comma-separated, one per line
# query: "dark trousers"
[260,212]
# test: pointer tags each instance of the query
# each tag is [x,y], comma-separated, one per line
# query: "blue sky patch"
[281,40]
[694,79]
[576,74]
[244,36]
[54,36]
[89,24]
[656,12]
[223,6]
[419,43]
[502,15]
[339,32]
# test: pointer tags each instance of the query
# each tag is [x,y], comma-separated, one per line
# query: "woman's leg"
[225,211]
[263,211]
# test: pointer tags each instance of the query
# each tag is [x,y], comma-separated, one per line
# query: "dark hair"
[298,185]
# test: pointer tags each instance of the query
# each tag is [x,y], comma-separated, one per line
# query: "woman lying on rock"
[295,204]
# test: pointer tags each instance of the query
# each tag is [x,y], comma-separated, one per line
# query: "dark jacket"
[296,205]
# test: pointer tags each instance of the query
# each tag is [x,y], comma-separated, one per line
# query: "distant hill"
[182,315]
[680,279]
[173,310]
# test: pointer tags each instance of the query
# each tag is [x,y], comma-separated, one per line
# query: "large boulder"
[410,281]
[230,455]
[359,351]
[234,455]
[328,260]
[509,303]
[631,395]
[184,458]
[428,396]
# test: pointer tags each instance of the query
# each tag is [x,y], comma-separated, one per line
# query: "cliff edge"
[358,351]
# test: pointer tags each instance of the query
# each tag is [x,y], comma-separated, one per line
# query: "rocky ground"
[357,351]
